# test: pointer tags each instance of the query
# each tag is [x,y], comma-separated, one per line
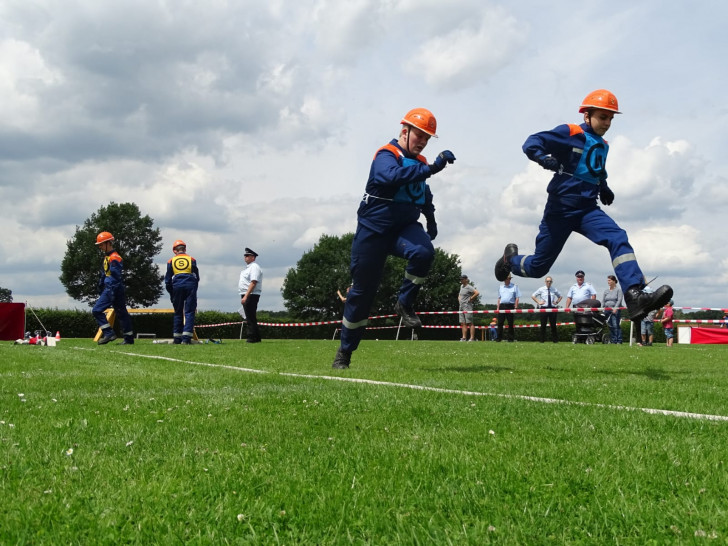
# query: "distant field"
[444,442]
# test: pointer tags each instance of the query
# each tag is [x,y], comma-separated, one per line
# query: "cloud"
[472,52]
[254,124]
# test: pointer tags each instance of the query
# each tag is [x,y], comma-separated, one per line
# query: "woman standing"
[613,298]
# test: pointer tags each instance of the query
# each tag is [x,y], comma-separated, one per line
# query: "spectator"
[508,297]
[467,294]
[580,291]
[181,281]
[648,328]
[577,154]
[666,321]
[387,223]
[112,292]
[250,287]
[493,329]
[613,298]
[547,297]
[343,297]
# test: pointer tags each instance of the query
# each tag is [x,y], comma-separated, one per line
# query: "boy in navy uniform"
[113,294]
[181,282]
[387,223]
[577,154]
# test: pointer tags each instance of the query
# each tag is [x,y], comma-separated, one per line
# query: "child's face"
[599,120]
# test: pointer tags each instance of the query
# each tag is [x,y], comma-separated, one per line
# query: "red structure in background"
[709,335]
[12,321]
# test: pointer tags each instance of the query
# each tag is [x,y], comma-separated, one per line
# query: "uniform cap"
[579,273]
[463,276]
[249,252]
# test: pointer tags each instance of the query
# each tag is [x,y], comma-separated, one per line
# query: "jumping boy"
[578,154]
[111,288]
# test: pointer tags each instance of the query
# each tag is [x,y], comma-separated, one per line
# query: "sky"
[247,123]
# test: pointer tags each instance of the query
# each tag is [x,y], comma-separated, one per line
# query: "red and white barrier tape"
[485,312]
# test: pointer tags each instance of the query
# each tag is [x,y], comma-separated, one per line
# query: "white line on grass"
[669,413]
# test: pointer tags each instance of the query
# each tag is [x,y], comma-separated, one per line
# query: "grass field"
[445,443]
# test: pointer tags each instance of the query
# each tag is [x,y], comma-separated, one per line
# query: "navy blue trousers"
[369,252]
[596,226]
[117,300]
[184,301]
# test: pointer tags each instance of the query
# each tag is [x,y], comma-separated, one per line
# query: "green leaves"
[136,240]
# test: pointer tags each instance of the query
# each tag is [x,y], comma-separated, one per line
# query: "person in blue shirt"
[548,297]
[112,292]
[580,291]
[577,154]
[181,281]
[395,196]
[508,297]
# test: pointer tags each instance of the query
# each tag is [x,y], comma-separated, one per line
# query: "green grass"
[194,451]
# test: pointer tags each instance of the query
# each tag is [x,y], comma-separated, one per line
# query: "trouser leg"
[599,228]
[251,315]
[368,255]
[553,233]
[414,245]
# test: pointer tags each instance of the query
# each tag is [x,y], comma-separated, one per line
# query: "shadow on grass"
[470,369]
[649,373]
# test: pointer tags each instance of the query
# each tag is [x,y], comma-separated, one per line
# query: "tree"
[136,240]
[309,289]
[6,295]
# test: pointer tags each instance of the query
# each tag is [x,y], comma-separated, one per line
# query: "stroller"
[589,324]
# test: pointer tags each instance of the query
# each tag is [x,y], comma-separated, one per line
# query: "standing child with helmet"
[111,288]
[181,281]
[396,195]
[577,154]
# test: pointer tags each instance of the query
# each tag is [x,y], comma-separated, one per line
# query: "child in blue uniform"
[396,195]
[181,282]
[578,154]
[113,294]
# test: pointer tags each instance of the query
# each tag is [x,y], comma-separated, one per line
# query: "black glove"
[549,163]
[441,161]
[606,196]
[431,227]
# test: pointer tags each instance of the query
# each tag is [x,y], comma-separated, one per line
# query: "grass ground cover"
[168,444]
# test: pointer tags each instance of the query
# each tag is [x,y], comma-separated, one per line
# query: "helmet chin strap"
[409,129]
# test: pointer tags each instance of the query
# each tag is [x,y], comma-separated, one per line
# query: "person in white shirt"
[580,291]
[250,287]
[548,297]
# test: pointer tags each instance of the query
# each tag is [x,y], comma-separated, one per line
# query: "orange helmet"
[103,237]
[601,99]
[422,119]
[178,242]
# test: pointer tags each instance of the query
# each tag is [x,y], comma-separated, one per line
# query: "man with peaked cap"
[250,288]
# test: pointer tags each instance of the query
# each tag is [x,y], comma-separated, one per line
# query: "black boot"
[503,265]
[409,319]
[639,302]
[342,360]
[128,340]
[108,336]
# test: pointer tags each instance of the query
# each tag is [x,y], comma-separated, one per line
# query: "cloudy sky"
[249,123]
